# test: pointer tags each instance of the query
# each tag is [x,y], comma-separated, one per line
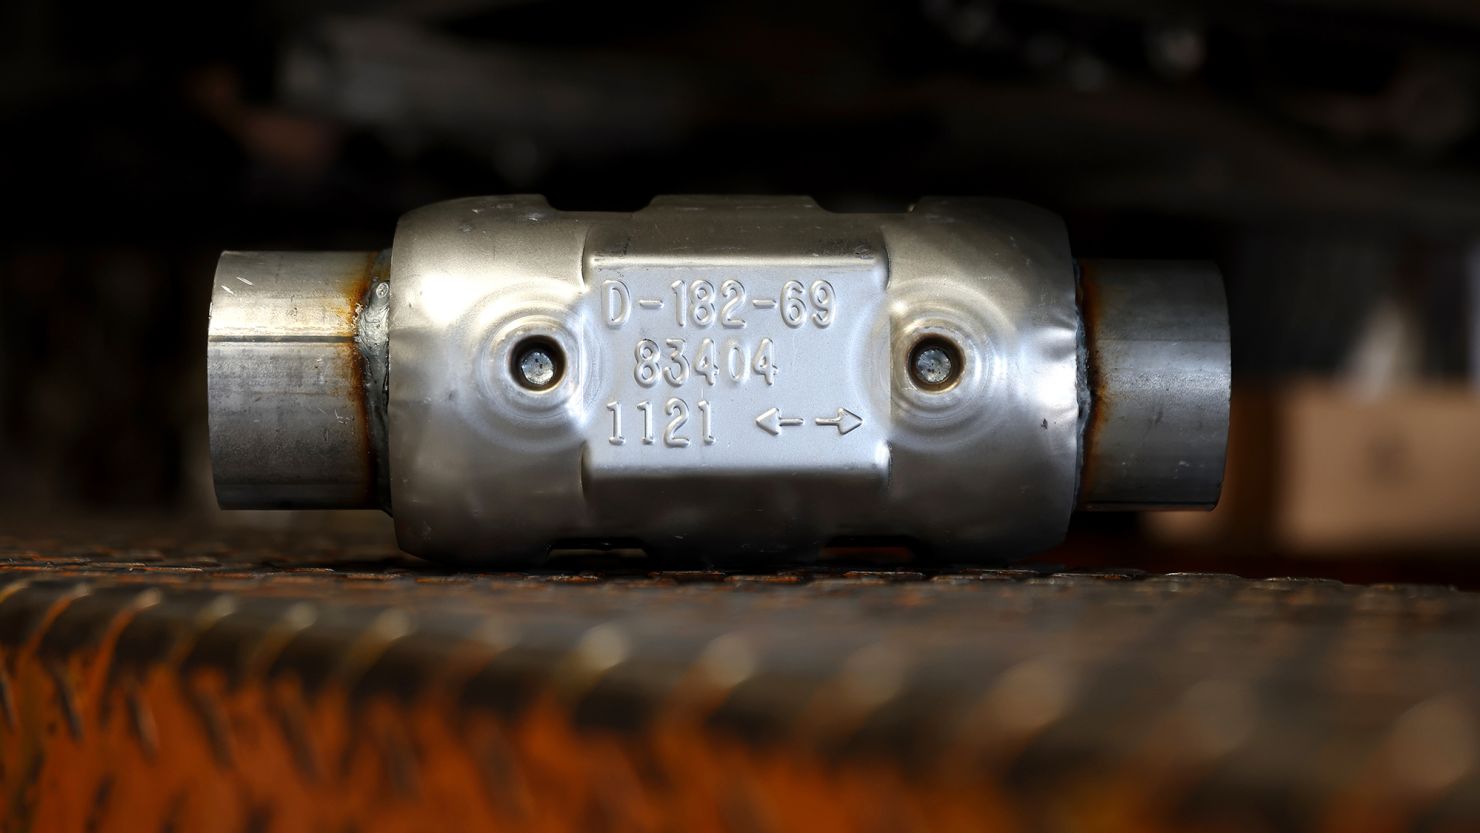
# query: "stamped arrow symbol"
[845,421]
[772,422]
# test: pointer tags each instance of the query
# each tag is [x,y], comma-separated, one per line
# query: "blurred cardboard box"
[1318,469]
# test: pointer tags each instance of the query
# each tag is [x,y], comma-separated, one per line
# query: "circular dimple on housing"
[970,331]
[512,410]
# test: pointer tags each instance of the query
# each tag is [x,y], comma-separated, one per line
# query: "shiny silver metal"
[1157,357]
[933,365]
[296,344]
[539,366]
[736,376]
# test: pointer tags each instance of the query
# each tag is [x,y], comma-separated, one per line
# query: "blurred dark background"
[1325,153]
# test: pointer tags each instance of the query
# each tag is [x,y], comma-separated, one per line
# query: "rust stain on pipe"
[356,286]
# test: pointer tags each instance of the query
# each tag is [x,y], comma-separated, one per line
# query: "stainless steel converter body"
[733,376]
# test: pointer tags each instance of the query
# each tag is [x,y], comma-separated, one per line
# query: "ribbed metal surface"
[246,685]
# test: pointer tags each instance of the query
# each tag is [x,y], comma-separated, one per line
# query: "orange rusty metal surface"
[306,686]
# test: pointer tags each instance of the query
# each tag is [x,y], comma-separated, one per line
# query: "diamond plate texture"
[279,684]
